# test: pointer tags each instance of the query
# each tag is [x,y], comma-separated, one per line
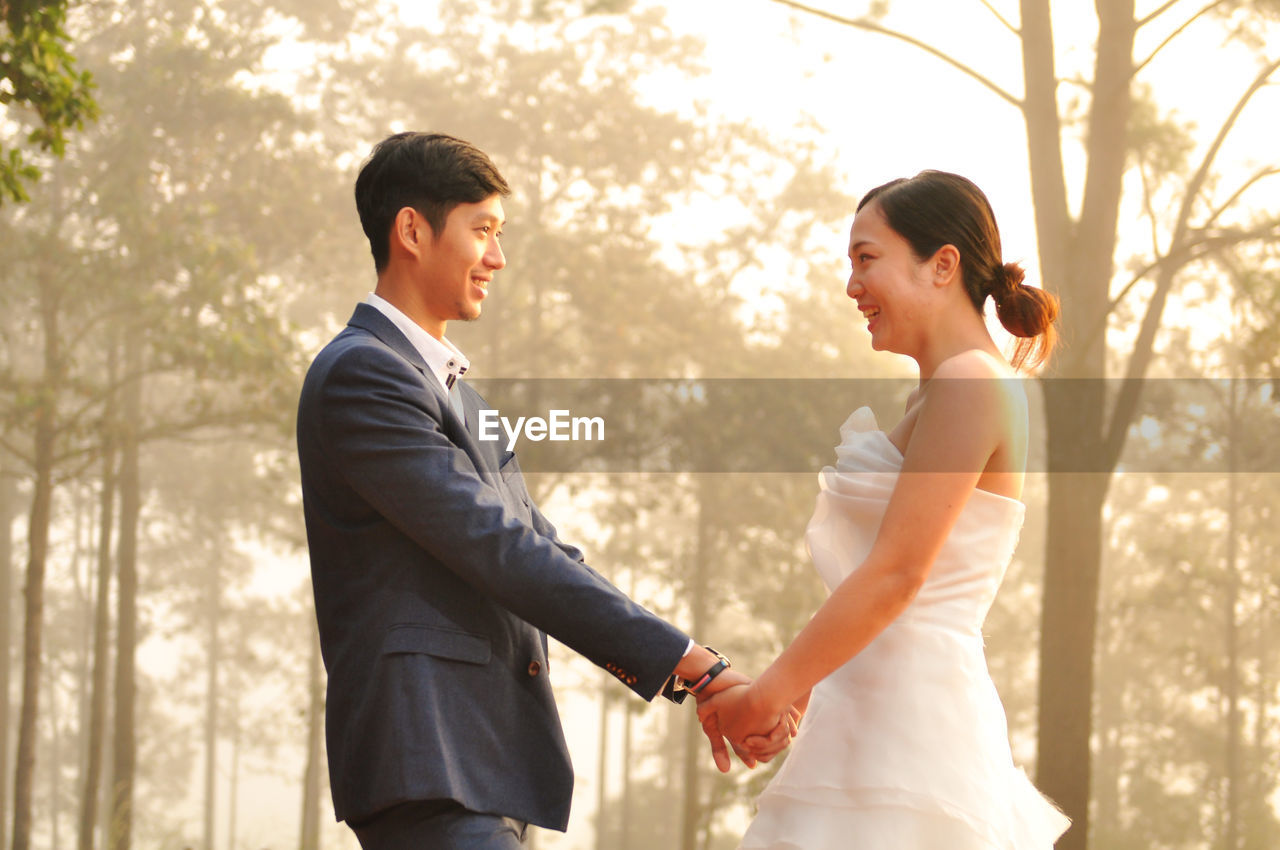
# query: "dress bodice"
[852,500]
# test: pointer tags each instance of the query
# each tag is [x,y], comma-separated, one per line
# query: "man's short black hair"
[430,172]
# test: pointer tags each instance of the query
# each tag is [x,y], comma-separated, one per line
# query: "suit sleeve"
[380,425]
[543,526]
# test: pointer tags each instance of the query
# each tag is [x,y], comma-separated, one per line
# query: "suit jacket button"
[534,668]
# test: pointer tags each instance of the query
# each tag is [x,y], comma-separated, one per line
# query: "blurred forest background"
[166,279]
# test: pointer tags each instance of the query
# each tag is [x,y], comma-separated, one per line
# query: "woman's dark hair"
[936,208]
[430,172]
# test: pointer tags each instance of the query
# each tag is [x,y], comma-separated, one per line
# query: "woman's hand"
[764,748]
[756,732]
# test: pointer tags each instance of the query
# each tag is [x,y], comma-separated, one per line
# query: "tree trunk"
[311,779]
[38,552]
[1073,556]
[1231,812]
[628,767]
[212,607]
[1110,735]
[233,793]
[691,805]
[8,499]
[624,841]
[55,757]
[1066,645]
[1077,425]
[92,779]
[602,762]
[1261,822]
[105,793]
[1044,143]
[124,751]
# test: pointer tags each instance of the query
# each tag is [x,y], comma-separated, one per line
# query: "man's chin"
[467,312]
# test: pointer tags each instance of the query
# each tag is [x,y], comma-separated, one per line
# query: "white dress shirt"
[443,358]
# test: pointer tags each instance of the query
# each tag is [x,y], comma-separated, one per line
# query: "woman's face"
[887,281]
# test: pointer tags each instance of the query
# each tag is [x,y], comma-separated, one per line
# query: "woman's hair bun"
[1027,312]
[1006,277]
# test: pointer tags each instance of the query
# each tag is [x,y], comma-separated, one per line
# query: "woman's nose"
[854,288]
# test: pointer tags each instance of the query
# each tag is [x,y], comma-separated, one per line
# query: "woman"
[904,742]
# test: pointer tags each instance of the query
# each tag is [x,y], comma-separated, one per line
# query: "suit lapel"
[370,318]
[491,451]
[470,408]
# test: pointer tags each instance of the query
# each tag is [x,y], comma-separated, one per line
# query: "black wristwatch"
[696,686]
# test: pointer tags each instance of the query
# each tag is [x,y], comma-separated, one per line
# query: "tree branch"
[1131,387]
[1192,251]
[1177,32]
[1157,13]
[1150,213]
[1244,187]
[1001,18]
[871,26]
[1202,173]
[1177,245]
[12,448]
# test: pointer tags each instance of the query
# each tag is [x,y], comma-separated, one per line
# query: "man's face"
[456,266]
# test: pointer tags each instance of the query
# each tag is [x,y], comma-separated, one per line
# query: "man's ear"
[946,264]
[408,232]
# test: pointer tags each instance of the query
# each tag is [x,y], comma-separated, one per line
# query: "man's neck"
[397,291]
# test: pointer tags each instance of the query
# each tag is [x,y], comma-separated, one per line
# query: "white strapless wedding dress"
[906,746]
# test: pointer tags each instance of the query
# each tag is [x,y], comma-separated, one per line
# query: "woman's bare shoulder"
[981,378]
[973,363]
[979,394]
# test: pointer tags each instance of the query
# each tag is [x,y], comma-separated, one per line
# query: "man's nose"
[494,258]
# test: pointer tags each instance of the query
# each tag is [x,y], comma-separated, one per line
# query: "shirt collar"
[442,357]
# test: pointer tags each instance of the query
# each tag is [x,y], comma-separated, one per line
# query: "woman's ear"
[946,265]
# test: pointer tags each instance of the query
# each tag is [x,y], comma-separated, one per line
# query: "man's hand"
[719,751]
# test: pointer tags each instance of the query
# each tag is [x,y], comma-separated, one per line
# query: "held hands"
[755,737]
[729,707]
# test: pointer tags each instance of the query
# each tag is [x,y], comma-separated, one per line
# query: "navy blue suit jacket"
[436,582]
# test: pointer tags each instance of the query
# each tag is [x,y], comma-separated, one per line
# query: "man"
[436,578]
